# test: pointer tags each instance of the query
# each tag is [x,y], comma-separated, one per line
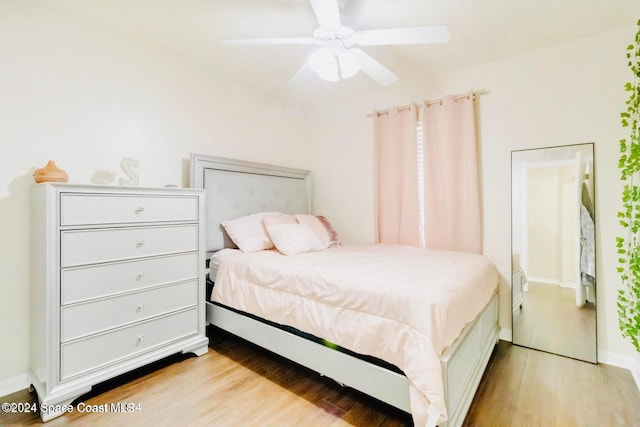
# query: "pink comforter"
[402,304]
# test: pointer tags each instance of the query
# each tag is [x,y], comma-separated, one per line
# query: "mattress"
[401,304]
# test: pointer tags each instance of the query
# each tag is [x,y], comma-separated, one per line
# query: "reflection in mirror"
[553,250]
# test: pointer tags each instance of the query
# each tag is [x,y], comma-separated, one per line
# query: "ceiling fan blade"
[327,12]
[410,35]
[301,76]
[264,41]
[374,69]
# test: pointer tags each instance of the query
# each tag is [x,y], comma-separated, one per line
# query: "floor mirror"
[553,253]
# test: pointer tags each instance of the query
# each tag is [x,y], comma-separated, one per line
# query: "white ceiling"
[481,31]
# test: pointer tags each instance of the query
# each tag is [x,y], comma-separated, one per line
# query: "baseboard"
[632,363]
[635,370]
[615,359]
[11,385]
[506,334]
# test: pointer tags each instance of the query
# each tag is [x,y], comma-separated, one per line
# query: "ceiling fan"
[337,57]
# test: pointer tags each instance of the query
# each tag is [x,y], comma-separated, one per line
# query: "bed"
[236,189]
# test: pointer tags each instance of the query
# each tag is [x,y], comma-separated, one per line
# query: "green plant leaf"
[628,249]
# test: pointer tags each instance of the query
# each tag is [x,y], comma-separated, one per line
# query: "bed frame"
[235,188]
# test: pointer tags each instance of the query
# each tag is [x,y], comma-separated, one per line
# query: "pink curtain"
[396,160]
[452,216]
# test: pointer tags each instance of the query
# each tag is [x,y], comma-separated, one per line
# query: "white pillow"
[294,239]
[249,233]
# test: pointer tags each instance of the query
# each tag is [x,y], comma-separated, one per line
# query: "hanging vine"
[629,165]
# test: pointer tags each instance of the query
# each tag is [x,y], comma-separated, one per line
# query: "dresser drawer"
[100,350]
[87,209]
[78,320]
[91,246]
[95,281]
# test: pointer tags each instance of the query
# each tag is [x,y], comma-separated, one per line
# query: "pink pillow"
[270,219]
[322,228]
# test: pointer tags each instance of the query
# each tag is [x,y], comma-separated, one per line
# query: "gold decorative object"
[50,173]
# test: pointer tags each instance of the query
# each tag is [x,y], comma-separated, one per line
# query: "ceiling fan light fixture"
[332,66]
[324,63]
[349,64]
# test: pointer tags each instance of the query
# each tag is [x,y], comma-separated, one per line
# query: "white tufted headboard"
[234,188]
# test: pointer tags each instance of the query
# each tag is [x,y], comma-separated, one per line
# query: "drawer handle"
[139,210]
[139,339]
[140,243]
[140,275]
[139,308]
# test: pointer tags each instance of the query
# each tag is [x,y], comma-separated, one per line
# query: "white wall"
[87,99]
[553,218]
[565,94]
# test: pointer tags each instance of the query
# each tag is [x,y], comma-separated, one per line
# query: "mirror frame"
[593,359]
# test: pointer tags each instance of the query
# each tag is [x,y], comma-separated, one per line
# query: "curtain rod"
[434,102]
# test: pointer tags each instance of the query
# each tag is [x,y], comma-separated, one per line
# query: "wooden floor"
[550,320]
[238,384]
[524,387]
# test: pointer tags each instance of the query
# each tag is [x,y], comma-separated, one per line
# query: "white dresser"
[117,282]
